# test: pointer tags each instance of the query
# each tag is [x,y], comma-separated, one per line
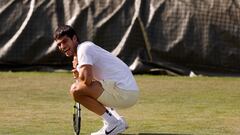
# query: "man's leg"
[114,112]
[87,96]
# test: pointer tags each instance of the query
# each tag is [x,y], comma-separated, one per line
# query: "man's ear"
[75,39]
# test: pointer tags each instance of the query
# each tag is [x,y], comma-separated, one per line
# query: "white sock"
[109,117]
[114,112]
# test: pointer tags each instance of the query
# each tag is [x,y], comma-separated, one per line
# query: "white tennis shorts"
[115,97]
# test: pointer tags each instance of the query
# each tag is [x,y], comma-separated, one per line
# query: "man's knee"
[77,89]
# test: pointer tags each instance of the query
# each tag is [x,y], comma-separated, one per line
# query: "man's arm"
[85,74]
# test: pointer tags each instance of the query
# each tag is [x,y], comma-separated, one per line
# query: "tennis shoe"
[102,130]
[113,129]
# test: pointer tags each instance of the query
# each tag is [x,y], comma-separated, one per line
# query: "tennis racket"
[77,118]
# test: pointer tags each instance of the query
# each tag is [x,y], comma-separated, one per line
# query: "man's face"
[67,45]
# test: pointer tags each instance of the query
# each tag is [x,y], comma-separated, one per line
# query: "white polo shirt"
[105,65]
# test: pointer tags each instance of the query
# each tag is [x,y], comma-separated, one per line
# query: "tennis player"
[104,81]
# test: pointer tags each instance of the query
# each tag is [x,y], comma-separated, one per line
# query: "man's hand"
[75,73]
[74,62]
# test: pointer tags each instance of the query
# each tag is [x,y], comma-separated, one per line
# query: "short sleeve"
[85,54]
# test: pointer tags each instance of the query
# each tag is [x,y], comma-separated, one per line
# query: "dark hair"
[64,30]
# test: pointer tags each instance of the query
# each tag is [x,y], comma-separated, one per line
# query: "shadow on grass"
[155,134]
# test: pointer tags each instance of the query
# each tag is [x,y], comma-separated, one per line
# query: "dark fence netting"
[151,36]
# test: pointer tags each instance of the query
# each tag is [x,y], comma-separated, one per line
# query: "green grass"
[35,103]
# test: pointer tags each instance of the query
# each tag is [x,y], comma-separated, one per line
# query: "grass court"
[38,103]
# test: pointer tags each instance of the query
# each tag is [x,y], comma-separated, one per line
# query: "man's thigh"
[94,90]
